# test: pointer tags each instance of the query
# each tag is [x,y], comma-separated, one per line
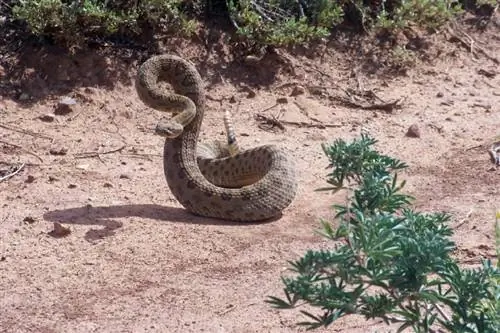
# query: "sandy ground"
[136,261]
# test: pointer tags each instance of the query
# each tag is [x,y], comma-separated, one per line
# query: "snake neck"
[186,143]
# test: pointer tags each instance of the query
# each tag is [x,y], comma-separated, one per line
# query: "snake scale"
[211,180]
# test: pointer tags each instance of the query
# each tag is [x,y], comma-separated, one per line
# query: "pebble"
[30,179]
[48,117]
[29,219]
[24,97]
[58,151]
[65,106]
[413,131]
[59,230]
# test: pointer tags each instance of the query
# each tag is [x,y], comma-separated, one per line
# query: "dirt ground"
[136,261]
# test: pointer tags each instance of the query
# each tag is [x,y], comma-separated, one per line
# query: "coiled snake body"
[211,180]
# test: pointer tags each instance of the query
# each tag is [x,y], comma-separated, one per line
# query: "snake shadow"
[106,216]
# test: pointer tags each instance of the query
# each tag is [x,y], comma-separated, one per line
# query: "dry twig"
[98,154]
[386,106]
[13,173]
[468,42]
[22,148]
[267,123]
[464,220]
[21,130]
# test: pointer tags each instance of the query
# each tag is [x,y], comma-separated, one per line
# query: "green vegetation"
[389,261]
[261,22]
[72,22]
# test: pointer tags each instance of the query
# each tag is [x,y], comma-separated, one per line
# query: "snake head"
[169,129]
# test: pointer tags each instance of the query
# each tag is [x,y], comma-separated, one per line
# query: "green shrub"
[277,22]
[388,261]
[285,28]
[424,13]
[261,22]
[74,21]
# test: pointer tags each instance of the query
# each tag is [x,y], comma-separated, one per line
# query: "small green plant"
[284,29]
[491,3]
[278,22]
[401,57]
[424,13]
[388,261]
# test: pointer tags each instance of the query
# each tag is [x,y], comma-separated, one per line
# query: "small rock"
[488,74]
[48,117]
[232,100]
[439,94]
[65,106]
[58,151]
[3,258]
[282,100]
[316,90]
[108,185]
[82,166]
[124,176]
[29,219]
[24,97]
[251,93]
[72,186]
[59,230]
[298,90]
[52,179]
[30,179]
[252,60]
[413,131]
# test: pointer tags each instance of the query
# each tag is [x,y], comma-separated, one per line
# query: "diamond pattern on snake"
[213,179]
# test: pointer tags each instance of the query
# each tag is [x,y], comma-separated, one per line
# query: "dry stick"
[143,156]
[20,130]
[470,44]
[350,102]
[98,154]
[309,125]
[272,121]
[474,147]
[12,173]
[22,148]
[440,310]
[464,220]
[389,106]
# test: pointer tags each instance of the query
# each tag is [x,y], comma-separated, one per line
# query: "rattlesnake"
[212,181]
